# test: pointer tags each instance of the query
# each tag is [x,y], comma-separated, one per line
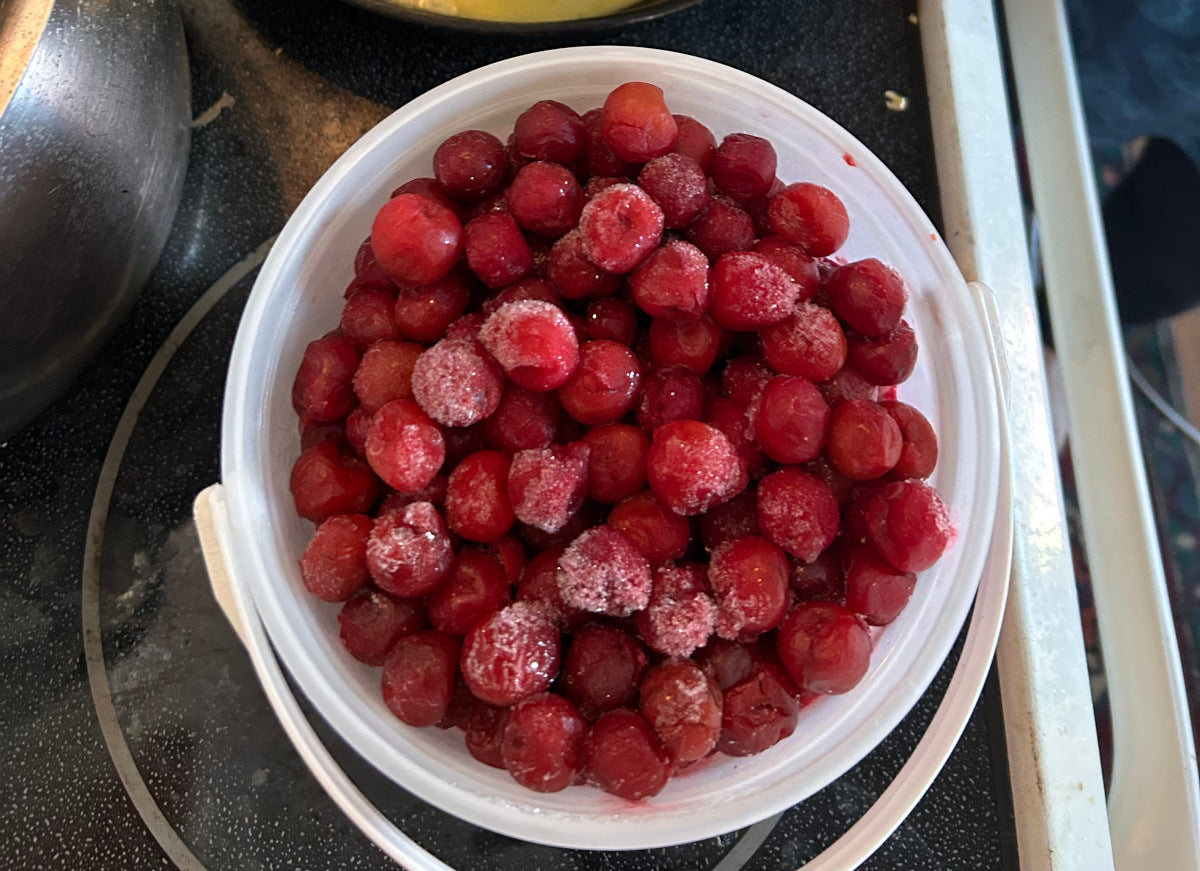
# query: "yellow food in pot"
[521,10]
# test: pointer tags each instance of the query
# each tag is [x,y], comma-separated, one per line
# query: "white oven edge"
[1153,819]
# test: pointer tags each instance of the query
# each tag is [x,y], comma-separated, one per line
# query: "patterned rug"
[1171,454]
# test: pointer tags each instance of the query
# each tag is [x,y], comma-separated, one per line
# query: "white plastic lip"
[259,552]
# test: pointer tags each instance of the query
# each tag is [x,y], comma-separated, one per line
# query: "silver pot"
[93,146]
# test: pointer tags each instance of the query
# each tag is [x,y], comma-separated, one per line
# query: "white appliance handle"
[1154,799]
[1153,819]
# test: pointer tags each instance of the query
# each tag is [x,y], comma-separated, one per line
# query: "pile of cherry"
[555,519]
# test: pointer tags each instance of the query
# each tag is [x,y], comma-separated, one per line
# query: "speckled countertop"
[132,732]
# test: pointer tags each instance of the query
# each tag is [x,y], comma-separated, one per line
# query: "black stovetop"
[133,733]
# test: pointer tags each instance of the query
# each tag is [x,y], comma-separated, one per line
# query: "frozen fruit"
[372,621]
[549,130]
[809,342]
[455,383]
[408,551]
[588,515]
[471,165]
[323,389]
[681,614]
[599,159]
[617,463]
[908,524]
[810,216]
[758,712]
[459,709]
[327,481]
[428,188]
[602,668]
[496,249]
[670,393]
[415,239]
[823,647]
[918,455]
[545,198]
[425,313]
[367,271]
[475,587]
[744,379]
[798,512]
[847,384]
[727,662]
[672,282]
[744,166]
[722,226]
[792,421]
[732,420]
[509,552]
[884,360]
[539,583]
[573,274]
[483,733]
[418,677]
[603,571]
[636,123]
[683,706]
[312,434]
[547,485]
[368,317]
[821,580]
[477,503]
[677,183]
[657,531]
[749,578]
[527,288]
[690,343]
[749,291]
[874,588]
[695,140]
[794,261]
[604,386]
[334,564]
[404,447]
[681,437]
[623,756]
[524,419]
[868,296]
[510,655]
[541,743]
[736,518]
[864,440]
[619,227]
[691,466]
[434,492]
[611,318]
[534,343]
[385,373]
[597,183]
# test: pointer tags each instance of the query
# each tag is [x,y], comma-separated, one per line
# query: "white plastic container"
[298,297]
